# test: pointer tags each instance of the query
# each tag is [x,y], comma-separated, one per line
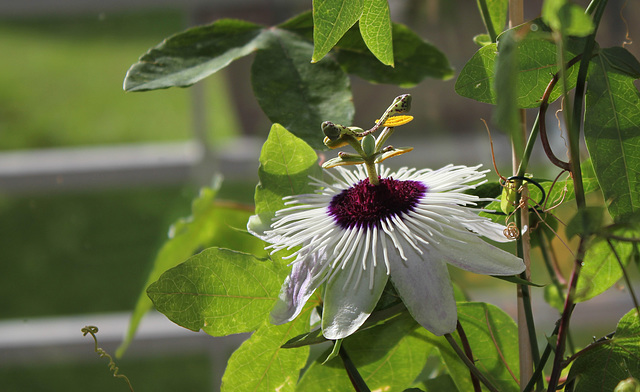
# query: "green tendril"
[93,330]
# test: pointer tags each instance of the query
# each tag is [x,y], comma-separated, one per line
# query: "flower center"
[365,205]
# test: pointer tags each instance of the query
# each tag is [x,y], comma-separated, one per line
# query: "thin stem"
[470,364]
[566,316]
[528,149]
[356,379]
[469,353]
[371,172]
[625,275]
[540,366]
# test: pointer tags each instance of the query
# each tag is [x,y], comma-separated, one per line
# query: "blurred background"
[91,177]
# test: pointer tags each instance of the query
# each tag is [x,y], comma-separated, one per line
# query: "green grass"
[176,373]
[61,84]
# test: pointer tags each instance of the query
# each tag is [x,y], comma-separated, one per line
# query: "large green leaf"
[414,58]
[210,224]
[603,366]
[261,364]
[375,27]
[297,94]
[612,129]
[219,291]
[332,18]
[388,357]
[185,58]
[600,268]
[286,162]
[536,65]
[493,337]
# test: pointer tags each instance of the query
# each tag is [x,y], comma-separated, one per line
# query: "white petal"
[471,253]
[304,279]
[492,230]
[425,288]
[346,304]
[259,224]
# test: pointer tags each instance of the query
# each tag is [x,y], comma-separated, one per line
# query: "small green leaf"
[388,358]
[208,225]
[219,291]
[493,336]
[331,19]
[494,16]
[297,94]
[612,131]
[260,364]
[375,27]
[567,18]
[603,366]
[286,162]
[185,58]
[600,268]
[554,298]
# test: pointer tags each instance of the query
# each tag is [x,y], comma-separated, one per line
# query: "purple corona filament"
[365,205]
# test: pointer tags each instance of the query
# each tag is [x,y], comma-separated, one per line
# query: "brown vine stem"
[469,354]
[543,111]
[566,316]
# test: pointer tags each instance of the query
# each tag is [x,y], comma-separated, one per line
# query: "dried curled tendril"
[93,330]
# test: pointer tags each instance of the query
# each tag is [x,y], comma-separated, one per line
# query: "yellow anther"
[396,121]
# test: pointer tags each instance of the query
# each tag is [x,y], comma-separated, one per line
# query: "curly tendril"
[93,330]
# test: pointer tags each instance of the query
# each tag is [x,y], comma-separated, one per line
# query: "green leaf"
[388,358]
[219,291]
[375,27]
[554,297]
[260,364]
[600,268]
[493,337]
[612,131]
[331,19]
[185,58]
[567,18]
[610,361]
[414,59]
[494,15]
[297,94]
[286,162]
[536,65]
[585,222]
[208,225]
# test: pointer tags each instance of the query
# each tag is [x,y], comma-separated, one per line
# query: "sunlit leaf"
[260,364]
[388,358]
[219,291]
[600,268]
[414,58]
[494,15]
[332,18]
[612,130]
[610,361]
[493,336]
[536,65]
[185,58]
[210,224]
[567,17]
[375,27]
[297,94]
[286,162]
